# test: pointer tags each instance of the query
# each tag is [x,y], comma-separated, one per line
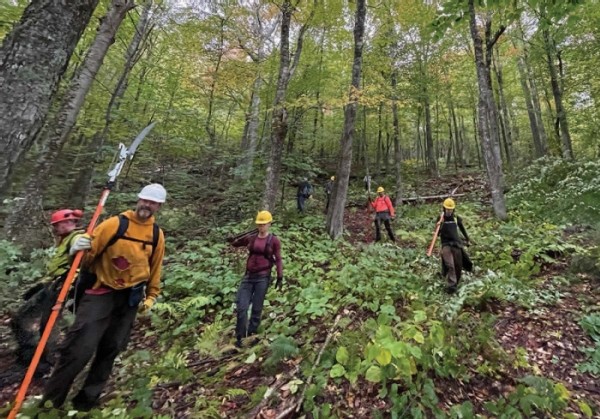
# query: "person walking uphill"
[454,257]
[264,251]
[41,297]
[124,260]
[305,190]
[384,210]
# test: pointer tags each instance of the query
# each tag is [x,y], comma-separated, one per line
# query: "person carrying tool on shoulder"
[264,251]
[454,257]
[41,297]
[124,260]
[384,211]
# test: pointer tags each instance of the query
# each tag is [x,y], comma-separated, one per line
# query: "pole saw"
[123,155]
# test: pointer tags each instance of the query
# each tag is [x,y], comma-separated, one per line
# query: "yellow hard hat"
[264,217]
[380,189]
[449,203]
[332,177]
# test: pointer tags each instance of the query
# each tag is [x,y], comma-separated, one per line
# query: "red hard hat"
[65,214]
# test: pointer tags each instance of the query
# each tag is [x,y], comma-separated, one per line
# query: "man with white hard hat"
[121,274]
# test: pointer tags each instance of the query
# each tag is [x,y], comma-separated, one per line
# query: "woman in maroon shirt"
[264,252]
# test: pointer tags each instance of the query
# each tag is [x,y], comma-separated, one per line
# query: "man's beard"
[143,208]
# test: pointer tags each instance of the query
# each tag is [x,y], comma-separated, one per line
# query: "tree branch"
[497,35]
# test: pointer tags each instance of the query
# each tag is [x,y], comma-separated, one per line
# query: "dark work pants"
[102,325]
[29,321]
[452,264]
[385,218]
[301,199]
[251,291]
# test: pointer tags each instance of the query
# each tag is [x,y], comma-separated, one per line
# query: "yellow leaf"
[384,357]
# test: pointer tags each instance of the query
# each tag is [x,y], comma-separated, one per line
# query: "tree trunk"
[33,58]
[81,186]
[279,122]
[507,134]
[58,133]
[431,158]
[335,215]
[208,124]
[458,153]
[250,140]
[561,113]
[533,122]
[396,139]
[379,140]
[488,129]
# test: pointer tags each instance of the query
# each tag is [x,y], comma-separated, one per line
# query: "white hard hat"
[153,192]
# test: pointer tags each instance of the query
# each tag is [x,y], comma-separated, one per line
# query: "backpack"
[87,279]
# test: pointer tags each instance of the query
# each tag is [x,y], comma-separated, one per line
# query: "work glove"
[146,305]
[82,242]
[279,283]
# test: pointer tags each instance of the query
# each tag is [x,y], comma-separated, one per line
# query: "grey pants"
[452,264]
[251,291]
[102,325]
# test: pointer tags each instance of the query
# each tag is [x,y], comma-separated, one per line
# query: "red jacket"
[383,203]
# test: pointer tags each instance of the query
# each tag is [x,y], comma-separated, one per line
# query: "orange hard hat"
[65,214]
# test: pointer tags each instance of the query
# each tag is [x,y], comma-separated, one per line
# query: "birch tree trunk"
[488,125]
[93,153]
[279,119]
[335,215]
[59,131]
[33,58]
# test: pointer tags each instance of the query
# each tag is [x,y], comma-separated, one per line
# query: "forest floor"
[550,335]
[544,340]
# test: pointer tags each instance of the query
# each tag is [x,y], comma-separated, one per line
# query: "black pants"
[301,200]
[29,322]
[102,325]
[251,291]
[385,219]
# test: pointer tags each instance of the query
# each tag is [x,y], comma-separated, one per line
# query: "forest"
[487,108]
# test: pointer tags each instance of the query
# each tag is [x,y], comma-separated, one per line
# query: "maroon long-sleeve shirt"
[257,262]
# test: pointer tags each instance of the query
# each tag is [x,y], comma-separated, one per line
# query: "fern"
[282,347]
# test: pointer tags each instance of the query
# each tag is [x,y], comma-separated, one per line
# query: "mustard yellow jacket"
[126,263]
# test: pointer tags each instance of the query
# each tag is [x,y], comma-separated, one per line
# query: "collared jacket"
[126,263]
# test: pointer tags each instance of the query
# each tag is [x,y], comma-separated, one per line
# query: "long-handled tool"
[435,235]
[124,154]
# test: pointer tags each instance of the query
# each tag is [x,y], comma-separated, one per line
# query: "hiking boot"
[83,404]
[451,289]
